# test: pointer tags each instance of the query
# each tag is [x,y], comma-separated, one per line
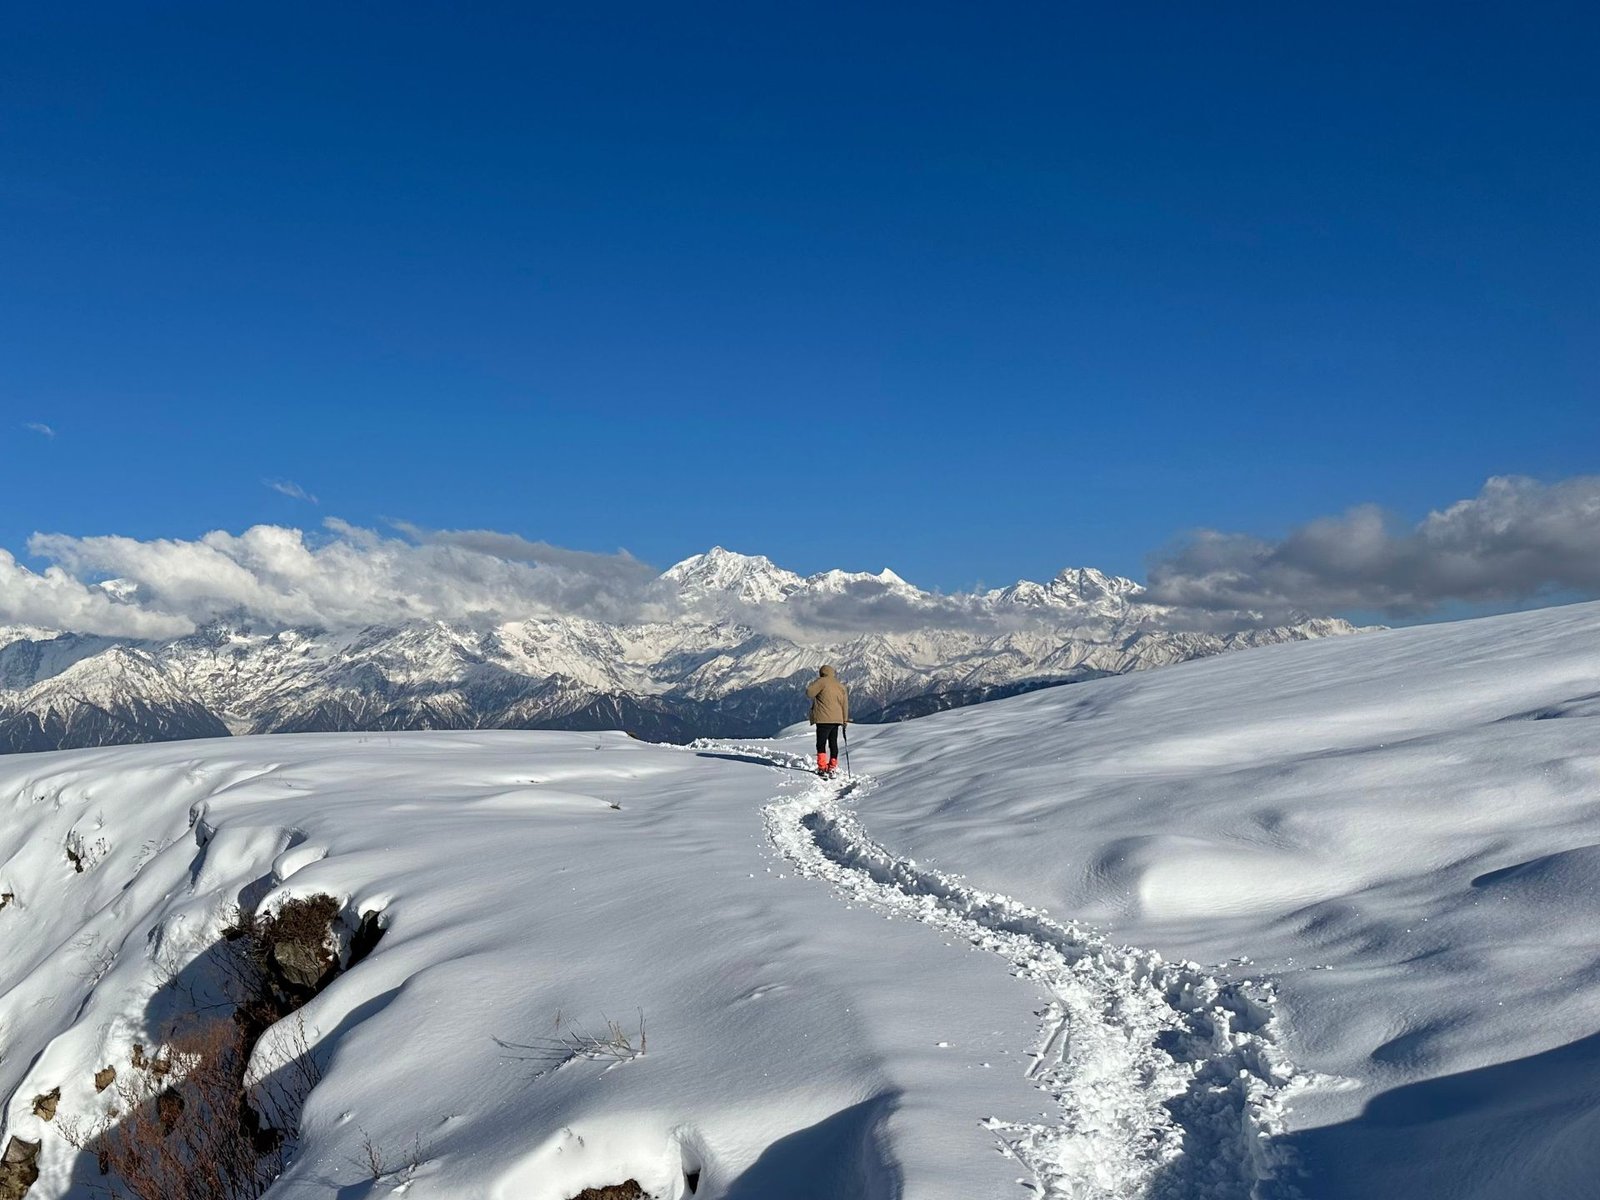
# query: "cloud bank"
[55,600]
[1517,540]
[348,578]
[861,609]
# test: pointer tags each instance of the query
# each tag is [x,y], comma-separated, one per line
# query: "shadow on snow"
[1526,1128]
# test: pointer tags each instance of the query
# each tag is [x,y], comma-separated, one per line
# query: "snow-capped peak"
[723,663]
[122,591]
[753,579]
[842,581]
[1075,588]
[1087,584]
[723,575]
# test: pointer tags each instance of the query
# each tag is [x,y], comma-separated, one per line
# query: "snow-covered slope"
[1401,830]
[531,887]
[867,991]
[739,635]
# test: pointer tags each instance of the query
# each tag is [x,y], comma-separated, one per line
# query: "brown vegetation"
[191,1130]
[186,1124]
[627,1190]
[290,951]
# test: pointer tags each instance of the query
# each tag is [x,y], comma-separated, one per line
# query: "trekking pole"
[845,729]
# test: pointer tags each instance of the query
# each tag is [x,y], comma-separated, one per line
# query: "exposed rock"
[20,1150]
[629,1189]
[296,946]
[19,1167]
[44,1107]
[104,1078]
[299,964]
[156,1066]
[366,937]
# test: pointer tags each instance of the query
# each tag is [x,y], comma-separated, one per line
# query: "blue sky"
[974,291]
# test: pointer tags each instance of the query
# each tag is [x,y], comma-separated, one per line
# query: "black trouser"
[828,739]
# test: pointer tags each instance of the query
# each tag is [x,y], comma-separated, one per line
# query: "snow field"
[796,1046]
[1398,831]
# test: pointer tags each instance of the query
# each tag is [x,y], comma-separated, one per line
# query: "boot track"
[1169,1082]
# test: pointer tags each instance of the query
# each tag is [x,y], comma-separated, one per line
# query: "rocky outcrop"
[19,1168]
[44,1107]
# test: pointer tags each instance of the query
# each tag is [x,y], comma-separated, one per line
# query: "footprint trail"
[1169,1082]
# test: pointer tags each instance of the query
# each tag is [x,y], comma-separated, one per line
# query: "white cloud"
[608,587]
[55,600]
[290,488]
[1518,539]
[621,565]
[277,576]
[40,428]
[349,577]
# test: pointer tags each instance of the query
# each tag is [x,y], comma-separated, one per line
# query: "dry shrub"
[288,955]
[627,1190]
[185,1124]
[300,921]
[190,1130]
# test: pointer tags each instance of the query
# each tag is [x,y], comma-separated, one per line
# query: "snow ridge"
[1169,1081]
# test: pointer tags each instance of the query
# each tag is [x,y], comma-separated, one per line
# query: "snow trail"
[1169,1082]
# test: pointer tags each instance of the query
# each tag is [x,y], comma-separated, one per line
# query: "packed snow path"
[1169,1082]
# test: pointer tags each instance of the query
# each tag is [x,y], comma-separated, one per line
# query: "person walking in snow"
[830,711]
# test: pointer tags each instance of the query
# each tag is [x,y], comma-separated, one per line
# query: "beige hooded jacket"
[830,699]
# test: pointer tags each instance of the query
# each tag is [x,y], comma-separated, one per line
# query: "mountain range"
[724,653]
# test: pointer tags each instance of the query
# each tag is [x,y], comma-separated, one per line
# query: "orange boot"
[833,765]
[823,762]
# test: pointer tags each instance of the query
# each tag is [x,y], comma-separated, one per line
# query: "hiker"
[830,709]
